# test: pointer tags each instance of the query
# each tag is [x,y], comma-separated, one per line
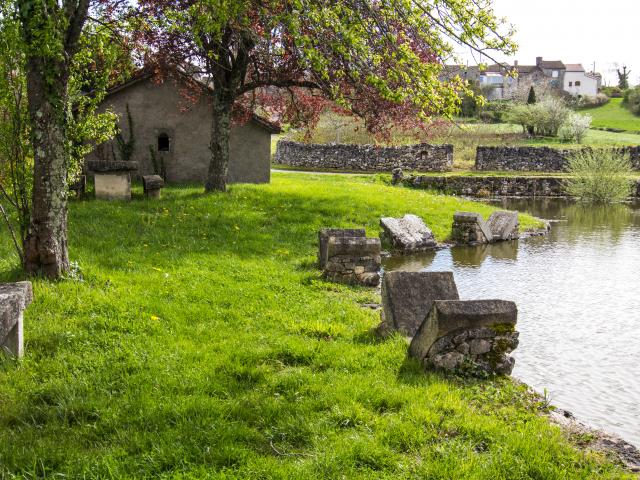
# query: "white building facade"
[580,83]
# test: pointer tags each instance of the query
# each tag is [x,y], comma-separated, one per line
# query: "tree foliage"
[291,59]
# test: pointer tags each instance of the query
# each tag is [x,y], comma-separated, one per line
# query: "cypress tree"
[532,96]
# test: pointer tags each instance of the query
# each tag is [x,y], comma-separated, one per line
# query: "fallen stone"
[14,299]
[504,225]
[408,234]
[325,233]
[407,298]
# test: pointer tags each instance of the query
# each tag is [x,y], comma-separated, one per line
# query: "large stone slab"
[504,225]
[470,228]
[474,334]
[113,186]
[323,239]
[14,298]
[407,234]
[407,298]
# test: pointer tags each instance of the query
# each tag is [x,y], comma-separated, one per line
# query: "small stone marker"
[407,298]
[397,176]
[112,179]
[476,334]
[353,260]
[323,239]
[152,185]
[408,234]
[470,228]
[14,298]
[504,225]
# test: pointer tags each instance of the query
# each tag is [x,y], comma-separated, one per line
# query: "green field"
[201,342]
[614,115]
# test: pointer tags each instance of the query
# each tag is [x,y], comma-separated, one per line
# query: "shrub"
[599,175]
[632,100]
[586,101]
[613,92]
[495,111]
[544,118]
[575,128]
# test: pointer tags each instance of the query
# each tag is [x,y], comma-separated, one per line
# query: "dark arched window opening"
[163,142]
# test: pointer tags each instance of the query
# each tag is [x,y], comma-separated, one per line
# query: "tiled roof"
[553,64]
[574,67]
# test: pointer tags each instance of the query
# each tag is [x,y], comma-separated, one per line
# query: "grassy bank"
[202,343]
[614,115]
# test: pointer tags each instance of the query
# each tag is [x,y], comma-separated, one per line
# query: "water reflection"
[576,291]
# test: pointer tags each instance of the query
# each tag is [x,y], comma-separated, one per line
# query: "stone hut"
[178,132]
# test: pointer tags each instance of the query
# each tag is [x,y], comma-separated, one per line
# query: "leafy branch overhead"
[379,60]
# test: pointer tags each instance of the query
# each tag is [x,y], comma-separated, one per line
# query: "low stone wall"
[490,186]
[366,158]
[533,159]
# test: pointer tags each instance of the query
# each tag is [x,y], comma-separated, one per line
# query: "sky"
[575,31]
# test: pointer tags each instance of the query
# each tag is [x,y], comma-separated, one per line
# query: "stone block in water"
[470,228]
[323,239]
[504,225]
[407,298]
[408,234]
[14,299]
[476,335]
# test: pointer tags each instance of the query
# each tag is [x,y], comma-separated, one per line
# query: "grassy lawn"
[614,115]
[202,343]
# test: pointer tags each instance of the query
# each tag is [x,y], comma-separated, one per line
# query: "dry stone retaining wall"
[492,186]
[533,159]
[369,158]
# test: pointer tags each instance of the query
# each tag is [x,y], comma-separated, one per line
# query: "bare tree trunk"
[46,241]
[220,133]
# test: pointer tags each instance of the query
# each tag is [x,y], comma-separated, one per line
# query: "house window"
[163,142]
[554,74]
[578,83]
[571,84]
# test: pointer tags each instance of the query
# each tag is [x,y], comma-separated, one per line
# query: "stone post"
[14,299]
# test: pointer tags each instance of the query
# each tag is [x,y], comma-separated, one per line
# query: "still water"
[578,296]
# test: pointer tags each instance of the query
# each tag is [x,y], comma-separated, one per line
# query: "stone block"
[478,334]
[113,186]
[152,185]
[14,299]
[352,260]
[407,298]
[408,234]
[323,239]
[504,225]
[470,228]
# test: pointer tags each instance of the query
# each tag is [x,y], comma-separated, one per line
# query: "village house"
[172,133]
[497,83]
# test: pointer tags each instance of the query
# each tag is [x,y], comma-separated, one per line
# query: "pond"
[578,296]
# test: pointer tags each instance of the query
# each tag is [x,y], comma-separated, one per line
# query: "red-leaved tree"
[378,59]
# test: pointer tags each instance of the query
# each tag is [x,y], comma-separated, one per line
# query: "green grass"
[202,343]
[614,115]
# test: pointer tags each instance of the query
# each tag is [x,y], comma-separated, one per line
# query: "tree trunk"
[220,133]
[46,242]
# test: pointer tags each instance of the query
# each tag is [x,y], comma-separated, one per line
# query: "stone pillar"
[112,179]
[152,185]
[470,228]
[14,299]
[323,240]
[353,260]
